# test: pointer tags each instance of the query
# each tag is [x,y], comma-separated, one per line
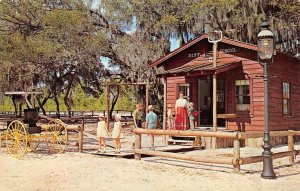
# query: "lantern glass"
[265,48]
[215,36]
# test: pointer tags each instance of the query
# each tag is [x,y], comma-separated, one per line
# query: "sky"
[174,42]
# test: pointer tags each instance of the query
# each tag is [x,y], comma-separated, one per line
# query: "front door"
[205,95]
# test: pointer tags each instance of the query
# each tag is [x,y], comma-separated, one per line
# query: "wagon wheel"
[16,139]
[57,136]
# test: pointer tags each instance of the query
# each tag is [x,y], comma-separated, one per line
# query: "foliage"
[57,44]
[83,102]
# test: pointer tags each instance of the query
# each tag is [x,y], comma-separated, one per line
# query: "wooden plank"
[80,139]
[227,116]
[272,133]
[186,133]
[91,136]
[204,159]
[291,147]
[138,144]
[236,155]
[256,159]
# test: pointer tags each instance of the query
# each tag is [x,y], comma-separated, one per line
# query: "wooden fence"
[236,161]
[79,129]
[90,113]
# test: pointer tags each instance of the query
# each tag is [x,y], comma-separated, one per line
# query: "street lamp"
[214,37]
[265,44]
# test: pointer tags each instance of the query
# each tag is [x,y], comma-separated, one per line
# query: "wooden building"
[240,87]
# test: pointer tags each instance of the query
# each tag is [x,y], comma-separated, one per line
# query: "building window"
[286,91]
[242,94]
[185,89]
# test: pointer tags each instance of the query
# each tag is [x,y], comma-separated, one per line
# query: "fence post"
[291,147]
[236,155]
[138,142]
[80,137]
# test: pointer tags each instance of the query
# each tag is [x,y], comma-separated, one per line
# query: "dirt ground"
[84,172]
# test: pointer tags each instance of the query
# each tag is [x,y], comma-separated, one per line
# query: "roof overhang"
[160,61]
[201,68]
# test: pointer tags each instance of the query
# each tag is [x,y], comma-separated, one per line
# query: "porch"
[194,79]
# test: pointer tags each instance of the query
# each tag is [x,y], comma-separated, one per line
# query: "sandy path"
[74,171]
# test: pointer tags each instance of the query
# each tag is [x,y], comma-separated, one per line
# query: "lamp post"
[265,44]
[214,37]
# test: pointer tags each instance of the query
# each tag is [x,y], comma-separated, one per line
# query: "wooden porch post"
[214,141]
[147,95]
[165,108]
[107,104]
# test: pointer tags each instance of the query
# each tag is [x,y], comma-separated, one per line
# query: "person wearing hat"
[137,117]
[117,132]
[102,133]
[151,123]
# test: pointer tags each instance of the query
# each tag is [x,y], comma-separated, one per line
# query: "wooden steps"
[191,140]
[129,153]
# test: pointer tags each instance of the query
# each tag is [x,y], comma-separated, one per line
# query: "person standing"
[117,132]
[102,133]
[181,117]
[191,115]
[151,123]
[170,117]
[137,116]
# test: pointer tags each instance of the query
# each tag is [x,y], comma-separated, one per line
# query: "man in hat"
[137,118]
[151,123]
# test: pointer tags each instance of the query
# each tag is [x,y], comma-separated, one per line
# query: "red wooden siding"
[172,94]
[284,69]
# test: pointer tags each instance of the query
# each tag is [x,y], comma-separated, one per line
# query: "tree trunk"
[114,101]
[15,105]
[57,106]
[68,105]
[67,100]
[42,104]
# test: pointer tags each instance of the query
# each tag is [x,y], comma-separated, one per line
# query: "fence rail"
[91,113]
[236,160]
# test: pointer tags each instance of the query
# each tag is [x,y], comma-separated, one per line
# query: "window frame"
[188,97]
[235,96]
[289,114]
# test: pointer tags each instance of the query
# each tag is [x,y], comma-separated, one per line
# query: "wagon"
[23,135]
[19,140]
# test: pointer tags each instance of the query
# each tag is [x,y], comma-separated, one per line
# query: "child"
[170,117]
[151,123]
[191,115]
[102,133]
[137,116]
[117,132]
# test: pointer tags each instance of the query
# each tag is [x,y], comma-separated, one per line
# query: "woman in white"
[181,117]
[102,133]
[117,132]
